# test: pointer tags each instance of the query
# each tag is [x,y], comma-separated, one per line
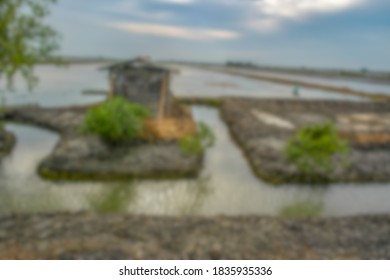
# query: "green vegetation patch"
[115,199]
[312,150]
[54,174]
[115,120]
[301,210]
[7,140]
[202,101]
[198,142]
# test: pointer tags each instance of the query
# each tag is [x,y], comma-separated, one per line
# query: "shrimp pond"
[226,185]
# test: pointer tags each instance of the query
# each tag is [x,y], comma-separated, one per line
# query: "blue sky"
[316,33]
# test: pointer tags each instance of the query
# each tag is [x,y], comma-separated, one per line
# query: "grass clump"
[198,142]
[202,101]
[115,199]
[312,150]
[301,210]
[115,120]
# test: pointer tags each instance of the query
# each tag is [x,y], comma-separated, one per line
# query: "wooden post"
[168,96]
[111,82]
[164,89]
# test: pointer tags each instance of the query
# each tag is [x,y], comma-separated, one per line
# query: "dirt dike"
[120,236]
[262,127]
[82,157]
[7,142]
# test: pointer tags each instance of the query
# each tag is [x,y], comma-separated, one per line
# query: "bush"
[312,150]
[198,142]
[115,120]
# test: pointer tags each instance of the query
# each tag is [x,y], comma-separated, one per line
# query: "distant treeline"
[78,60]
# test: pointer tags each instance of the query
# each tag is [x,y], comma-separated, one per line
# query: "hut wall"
[143,86]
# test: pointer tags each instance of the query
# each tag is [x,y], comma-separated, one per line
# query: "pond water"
[195,82]
[60,86]
[365,86]
[226,184]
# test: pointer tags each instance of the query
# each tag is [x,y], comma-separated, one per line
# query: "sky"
[311,33]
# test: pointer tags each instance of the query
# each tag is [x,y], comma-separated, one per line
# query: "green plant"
[301,210]
[312,149]
[198,142]
[114,199]
[115,120]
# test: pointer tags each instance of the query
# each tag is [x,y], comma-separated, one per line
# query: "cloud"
[174,31]
[269,15]
[265,25]
[296,9]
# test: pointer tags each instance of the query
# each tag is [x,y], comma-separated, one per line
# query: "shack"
[143,82]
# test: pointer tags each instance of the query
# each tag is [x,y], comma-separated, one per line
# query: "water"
[203,83]
[60,86]
[368,87]
[226,184]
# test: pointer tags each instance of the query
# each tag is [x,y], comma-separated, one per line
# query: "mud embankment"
[94,236]
[7,141]
[85,157]
[263,127]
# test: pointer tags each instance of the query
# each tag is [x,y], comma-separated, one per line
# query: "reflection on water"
[22,189]
[301,209]
[114,199]
[226,184]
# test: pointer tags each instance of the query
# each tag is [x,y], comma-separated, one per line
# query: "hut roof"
[140,63]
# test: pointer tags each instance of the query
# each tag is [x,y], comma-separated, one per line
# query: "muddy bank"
[7,142]
[63,120]
[201,101]
[342,90]
[263,127]
[94,236]
[77,156]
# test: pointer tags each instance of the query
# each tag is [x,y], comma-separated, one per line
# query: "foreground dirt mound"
[93,236]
